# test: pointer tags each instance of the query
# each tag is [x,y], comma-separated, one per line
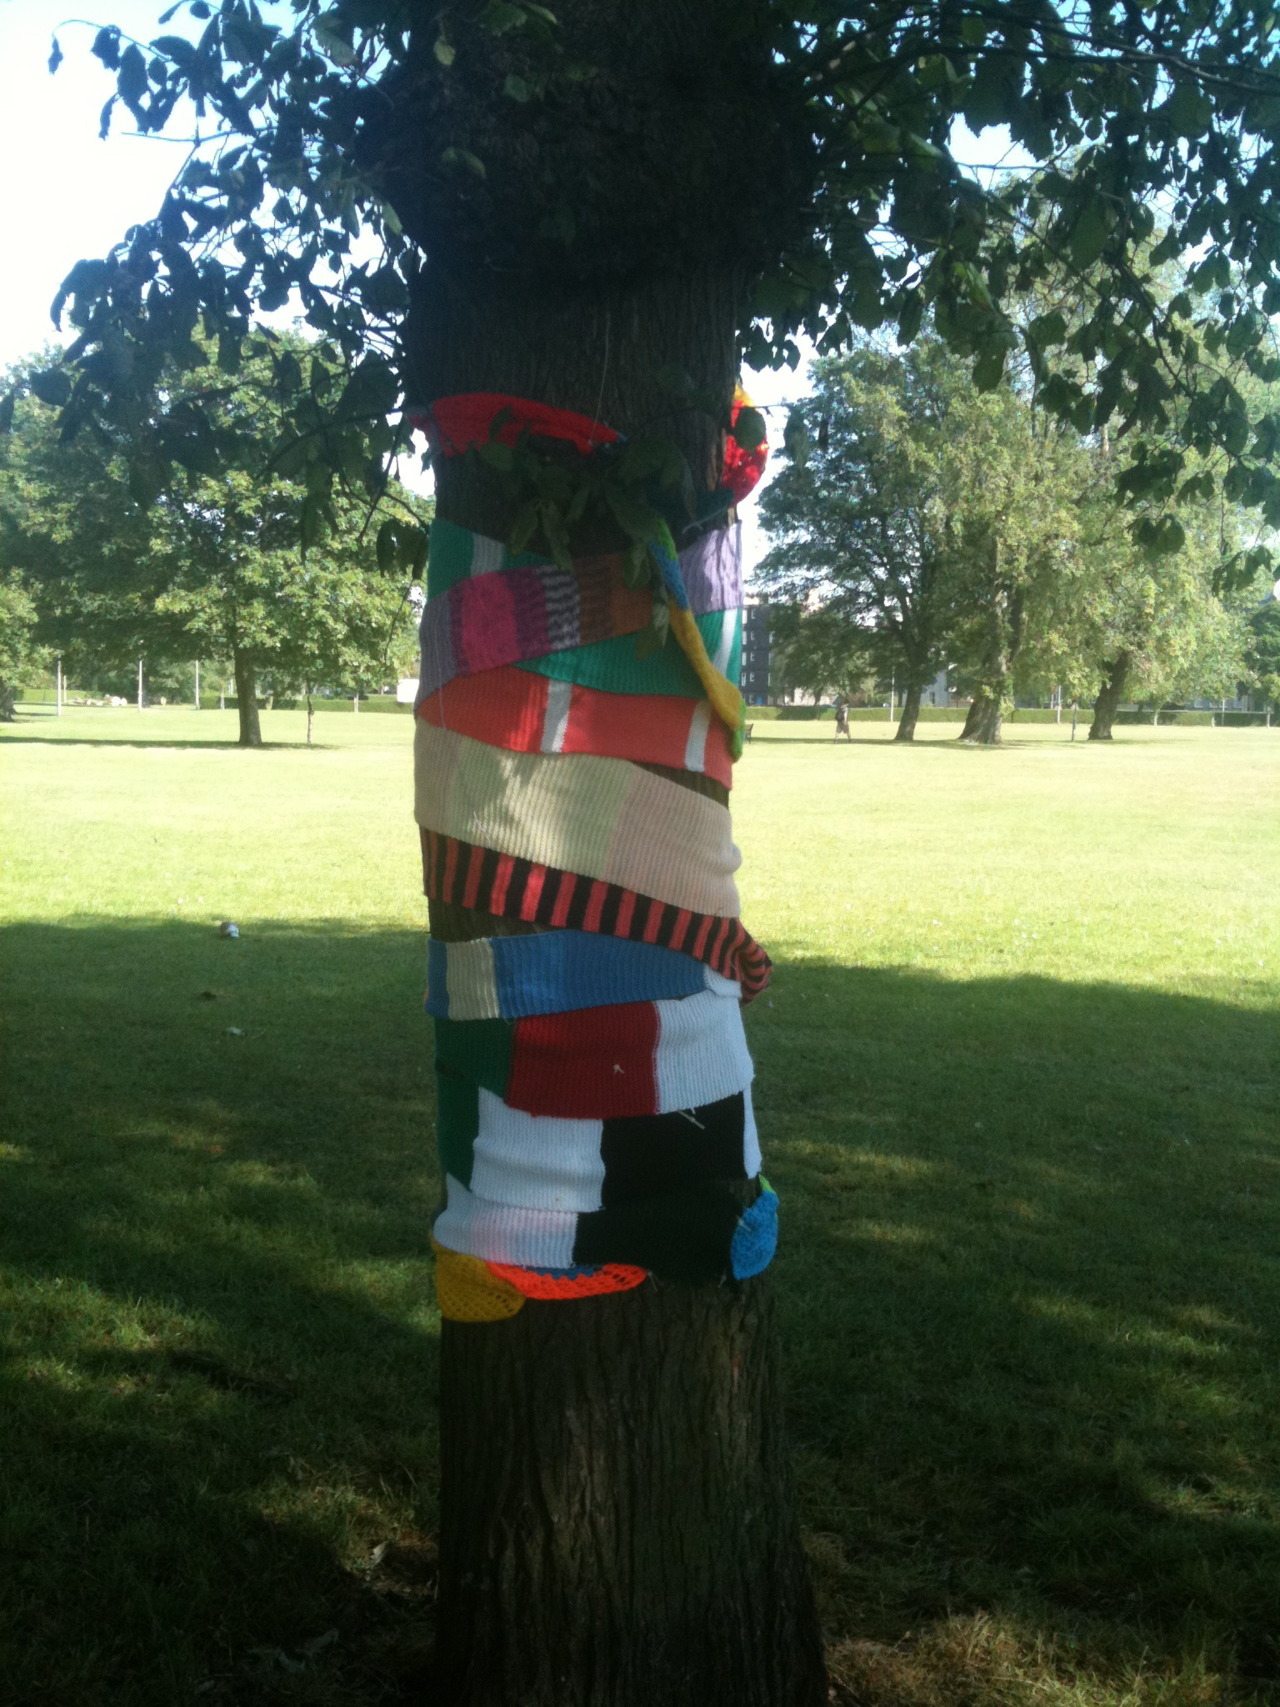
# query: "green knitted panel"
[614,666]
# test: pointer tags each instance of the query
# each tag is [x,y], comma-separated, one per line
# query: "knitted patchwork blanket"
[557,971]
[594,1116]
[532,713]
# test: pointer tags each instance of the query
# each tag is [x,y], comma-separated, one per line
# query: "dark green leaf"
[106,47]
[6,410]
[51,386]
[388,544]
[750,429]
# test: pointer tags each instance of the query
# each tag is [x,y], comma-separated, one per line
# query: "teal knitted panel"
[614,666]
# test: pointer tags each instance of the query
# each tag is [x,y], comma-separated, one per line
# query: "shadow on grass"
[1028,1282]
[1031,1297]
[217,1343]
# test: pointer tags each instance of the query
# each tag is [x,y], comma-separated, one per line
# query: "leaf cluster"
[1153,131]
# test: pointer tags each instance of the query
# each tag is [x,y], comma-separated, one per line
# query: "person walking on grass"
[842,718]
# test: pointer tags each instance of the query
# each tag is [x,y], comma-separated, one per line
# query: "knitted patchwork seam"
[530,713]
[616,666]
[539,1161]
[487,608]
[508,977]
[594,1109]
[710,569]
[629,1058]
[601,818]
[692,1235]
[468,875]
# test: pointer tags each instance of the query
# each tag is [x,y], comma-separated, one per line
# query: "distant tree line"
[921,522]
[101,571]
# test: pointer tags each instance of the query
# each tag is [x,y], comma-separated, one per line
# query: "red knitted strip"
[456,424]
[517,887]
[609,1277]
[507,708]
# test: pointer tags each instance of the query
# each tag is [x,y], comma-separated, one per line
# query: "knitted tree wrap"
[594,1106]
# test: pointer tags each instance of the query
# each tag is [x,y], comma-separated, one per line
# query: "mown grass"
[1018,1080]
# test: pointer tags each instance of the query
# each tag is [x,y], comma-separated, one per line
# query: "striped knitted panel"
[629,1058]
[486,607]
[711,567]
[597,817]
[508,977]
[468,875]
[530,713]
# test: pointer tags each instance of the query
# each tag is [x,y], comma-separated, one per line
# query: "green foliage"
[1263,650]
[211,568]
[923,514]
[1154,135]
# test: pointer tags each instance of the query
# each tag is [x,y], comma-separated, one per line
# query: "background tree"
[576,207]
[23,661]
[213,567]
[924,512]
[1263,650]
[819,652]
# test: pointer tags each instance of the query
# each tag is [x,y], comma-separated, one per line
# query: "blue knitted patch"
[756,1238]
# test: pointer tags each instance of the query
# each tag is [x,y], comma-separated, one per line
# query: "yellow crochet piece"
[468,1292]
[727,703]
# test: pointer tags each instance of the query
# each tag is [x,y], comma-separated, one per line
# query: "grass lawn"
[1019,1086]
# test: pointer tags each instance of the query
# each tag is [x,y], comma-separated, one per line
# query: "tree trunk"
[7,712]
[910,713]
[624,1538]
[246,699]
[616,1527]
[985,719]
[1108,701]
[311,715]
[619,1533]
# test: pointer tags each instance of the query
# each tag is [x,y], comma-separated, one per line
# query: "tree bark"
[906,730]
[623,1538]
[619,1533]
[311,713]
[246,699]
[1108,701]
[616,1524]
[7,712]
[985,719]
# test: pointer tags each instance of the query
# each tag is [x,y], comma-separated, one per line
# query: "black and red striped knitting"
[486,881]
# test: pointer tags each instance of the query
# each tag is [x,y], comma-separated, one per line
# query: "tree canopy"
[809,149]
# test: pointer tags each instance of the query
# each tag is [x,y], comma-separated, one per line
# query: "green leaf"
[131,79]
[796,440]
[6,411]
[1089,234]
[444,50]
[387,547]
[750,429]
[51,386]
[463,157]
[516,89]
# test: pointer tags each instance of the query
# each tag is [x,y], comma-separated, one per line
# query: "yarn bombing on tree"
[594,1116]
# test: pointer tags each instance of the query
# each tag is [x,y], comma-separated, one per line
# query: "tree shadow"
[1032,1305]
[1028,1284]
[218,1345]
